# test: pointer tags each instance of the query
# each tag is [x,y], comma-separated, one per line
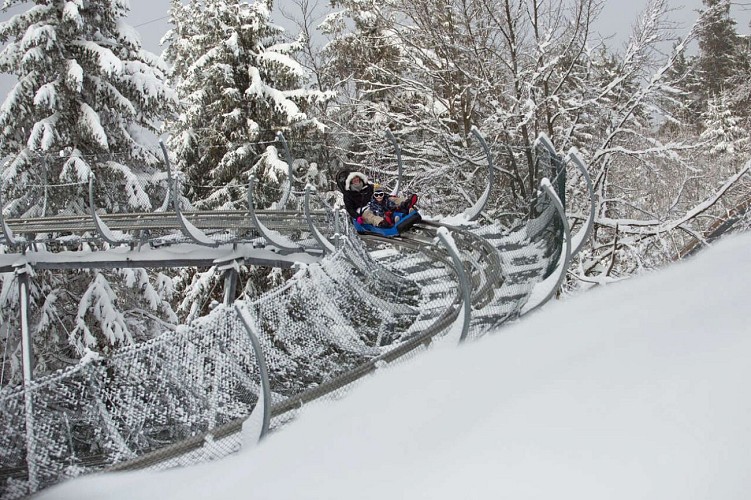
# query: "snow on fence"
[182,397]
[327,320]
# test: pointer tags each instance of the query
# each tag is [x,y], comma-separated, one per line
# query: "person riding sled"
[383,205]
[358,194]
[357,191]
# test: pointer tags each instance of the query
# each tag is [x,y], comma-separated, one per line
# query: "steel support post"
[23,274]
[264,398]
[320,238]
[230,284]
[445,237]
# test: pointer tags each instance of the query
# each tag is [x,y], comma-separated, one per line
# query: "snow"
[46,96]
[109,63]
[458,220]
[71,14]
[90,120]
[76,167]
[74,76]
[633,390]
[99,299]
[128,33]
[146,81]
[276,58]
[43,133]
[40,36]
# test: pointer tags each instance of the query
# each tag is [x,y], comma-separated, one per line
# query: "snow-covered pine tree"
[722,131]
[684,109]
[238,85]
[724,60]
[86,98]
[718,47]
[86,95]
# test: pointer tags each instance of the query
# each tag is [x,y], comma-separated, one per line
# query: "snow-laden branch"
[660,227]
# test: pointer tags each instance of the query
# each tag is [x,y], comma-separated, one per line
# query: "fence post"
[231,275]
[474,211]
[582,236]
[271,238]
[188,229]
[321,239]
[264,398]
[545,290]
[342,226]
[102,230]
[23,273]
[448,242]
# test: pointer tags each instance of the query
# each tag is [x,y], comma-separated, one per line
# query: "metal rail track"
[139,221]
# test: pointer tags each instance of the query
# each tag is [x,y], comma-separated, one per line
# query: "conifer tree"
[686,99]
[724,62]
[238,86]
[719,45]
[87,96]
[722,130]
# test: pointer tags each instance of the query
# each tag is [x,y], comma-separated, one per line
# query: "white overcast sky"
[150,17]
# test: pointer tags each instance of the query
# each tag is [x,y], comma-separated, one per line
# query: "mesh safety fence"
[523,256]
[322,324]
[101,412]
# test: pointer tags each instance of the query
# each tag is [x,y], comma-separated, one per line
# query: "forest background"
[662,120]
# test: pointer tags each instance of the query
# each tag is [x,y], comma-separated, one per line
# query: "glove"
[388,217]
[408,203]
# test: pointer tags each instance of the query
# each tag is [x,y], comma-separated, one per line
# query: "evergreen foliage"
[722,129]
[87,99]
[238,85]
[86,95]
[719,47]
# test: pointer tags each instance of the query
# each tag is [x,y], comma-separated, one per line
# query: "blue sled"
[404,222]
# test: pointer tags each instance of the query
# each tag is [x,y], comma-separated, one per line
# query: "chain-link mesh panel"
[524,255]
[102,412]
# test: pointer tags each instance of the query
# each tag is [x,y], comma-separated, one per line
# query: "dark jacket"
[381,207]
[354,201]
